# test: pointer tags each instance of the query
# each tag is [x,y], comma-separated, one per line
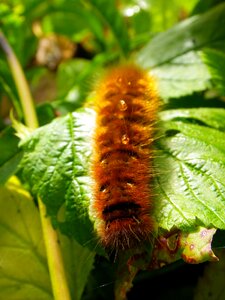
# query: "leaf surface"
[190,164]
[23,266]
[172,56]
[215,61]
[78,261]
[10,154]
[189,35]
[56,165]
[181,76]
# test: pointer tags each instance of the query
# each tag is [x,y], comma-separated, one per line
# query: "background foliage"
[63,46]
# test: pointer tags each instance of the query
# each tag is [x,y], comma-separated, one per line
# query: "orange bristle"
[126,107]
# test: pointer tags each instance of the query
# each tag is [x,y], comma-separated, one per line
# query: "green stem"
[54,256]
[55,260]
[26,100]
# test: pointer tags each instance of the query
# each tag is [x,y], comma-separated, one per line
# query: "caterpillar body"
[126,107]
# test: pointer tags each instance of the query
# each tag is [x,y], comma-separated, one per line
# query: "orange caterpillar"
[126,106]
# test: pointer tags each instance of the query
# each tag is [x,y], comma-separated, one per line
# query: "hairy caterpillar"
[126,107]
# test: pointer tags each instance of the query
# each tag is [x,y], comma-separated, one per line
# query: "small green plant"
[50,55]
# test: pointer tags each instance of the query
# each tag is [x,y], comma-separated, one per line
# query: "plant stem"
[54,255]
[26,100]
[55,261]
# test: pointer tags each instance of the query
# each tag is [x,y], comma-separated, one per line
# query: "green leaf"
[114,21]
[173,57]
[45,113]
[10,154]
[73,81]
[13,25]
[167,13]
[204,5]
[61,21]
[183,75]
[91,16]
[70,10]
[188,183]
[56,165]
[23,266]
[34,9]
[78,264]
[8,87]
[186,36]
[213,117]
[215,60]
[191,164]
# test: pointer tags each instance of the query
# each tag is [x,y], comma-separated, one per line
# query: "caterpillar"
[126,110]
